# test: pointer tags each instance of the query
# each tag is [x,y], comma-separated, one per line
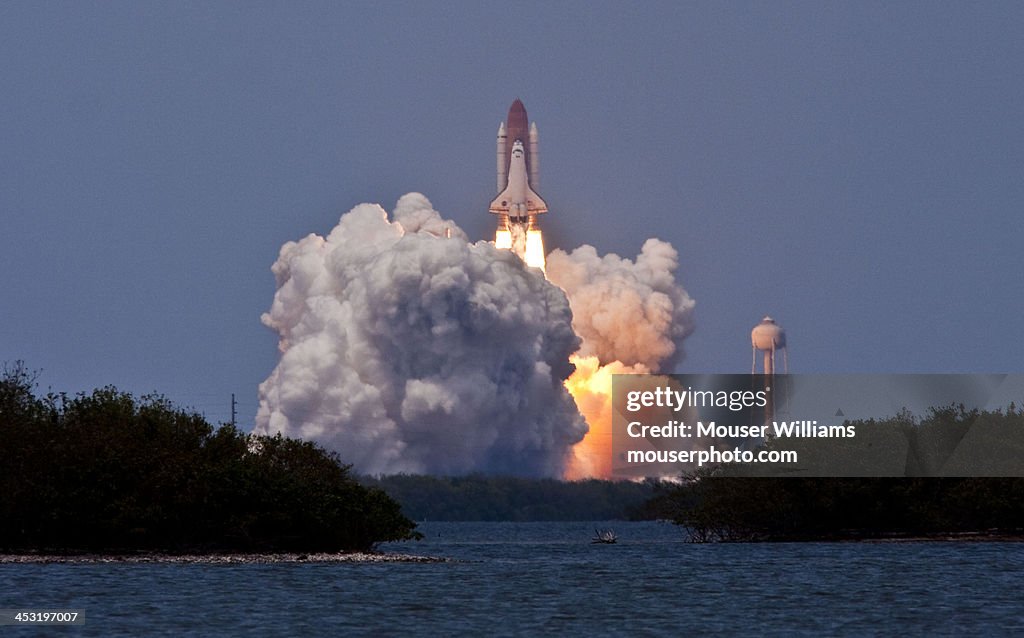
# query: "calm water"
[530,578]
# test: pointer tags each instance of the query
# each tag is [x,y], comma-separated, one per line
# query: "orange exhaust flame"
[591,387]
[534,255]
[528,244]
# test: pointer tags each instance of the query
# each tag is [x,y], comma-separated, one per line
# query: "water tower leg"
[769,373]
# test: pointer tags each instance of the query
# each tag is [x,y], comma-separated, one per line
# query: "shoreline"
[216,559]
[961,537]
[950,537]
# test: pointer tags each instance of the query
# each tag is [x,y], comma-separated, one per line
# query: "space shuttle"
[518,204]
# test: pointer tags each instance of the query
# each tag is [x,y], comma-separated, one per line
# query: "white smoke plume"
[625,311]
[407,349]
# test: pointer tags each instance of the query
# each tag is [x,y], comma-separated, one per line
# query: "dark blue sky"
[854,169]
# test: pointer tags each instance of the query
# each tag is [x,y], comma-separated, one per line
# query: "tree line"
[480,497]
[719,505]
[106,472]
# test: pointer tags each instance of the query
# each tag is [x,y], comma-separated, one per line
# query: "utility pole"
[234,413]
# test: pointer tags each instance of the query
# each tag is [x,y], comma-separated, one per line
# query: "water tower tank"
[768,336]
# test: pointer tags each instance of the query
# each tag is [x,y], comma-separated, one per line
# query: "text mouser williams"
[791,429]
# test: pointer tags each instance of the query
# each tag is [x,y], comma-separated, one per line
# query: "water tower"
[768,337]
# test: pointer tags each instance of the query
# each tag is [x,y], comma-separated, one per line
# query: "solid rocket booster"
[534,156]
[502,162]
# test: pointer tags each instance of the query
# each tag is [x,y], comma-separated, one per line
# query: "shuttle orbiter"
[518,201]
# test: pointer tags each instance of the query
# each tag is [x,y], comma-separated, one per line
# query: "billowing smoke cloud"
[407,349]
[632,318]
[625,311]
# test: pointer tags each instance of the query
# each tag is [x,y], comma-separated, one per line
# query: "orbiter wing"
[508,203]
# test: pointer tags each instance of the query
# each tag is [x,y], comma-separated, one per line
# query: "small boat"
[606,536]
